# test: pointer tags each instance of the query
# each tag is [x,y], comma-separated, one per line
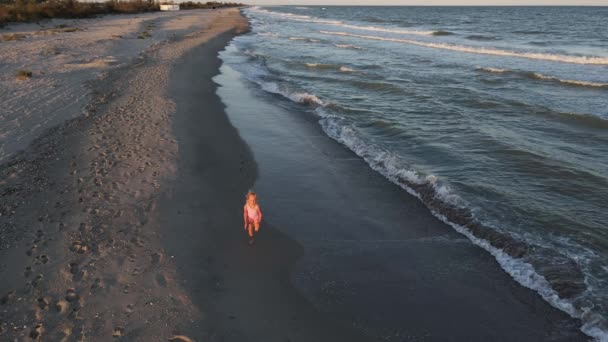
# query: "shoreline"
[246,290]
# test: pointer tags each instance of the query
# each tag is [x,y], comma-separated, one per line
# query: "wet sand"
[246,290]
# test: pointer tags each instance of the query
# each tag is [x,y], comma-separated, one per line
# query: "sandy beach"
[81,255]
[124,165]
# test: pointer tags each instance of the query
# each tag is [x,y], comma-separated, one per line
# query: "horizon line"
[361,5]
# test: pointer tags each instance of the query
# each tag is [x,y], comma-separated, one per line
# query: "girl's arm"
[245,215]
[259,213]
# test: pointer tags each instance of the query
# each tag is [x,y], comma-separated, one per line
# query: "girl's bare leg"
[257,226]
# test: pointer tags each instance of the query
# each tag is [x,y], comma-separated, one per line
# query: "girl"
[252,215]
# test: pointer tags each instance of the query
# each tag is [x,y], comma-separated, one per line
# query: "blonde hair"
[251,194]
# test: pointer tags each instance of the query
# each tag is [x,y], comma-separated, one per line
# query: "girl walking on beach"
[252,215]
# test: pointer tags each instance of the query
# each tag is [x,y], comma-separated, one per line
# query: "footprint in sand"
[37,281]
[61,306]
[71,295]
[31,250]
[161,280]
[7,297]
[43,303]
[97,284]
[36,333]
[118,332]
[157,258]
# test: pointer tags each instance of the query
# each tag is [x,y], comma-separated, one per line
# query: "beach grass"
[12,37]
[34,10]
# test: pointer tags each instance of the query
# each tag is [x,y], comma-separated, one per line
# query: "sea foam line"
[483,51]
[387,30]
[570,82]
[306,18]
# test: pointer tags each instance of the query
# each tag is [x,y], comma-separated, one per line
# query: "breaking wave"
[321,66]
[298,97]
[484,51]
[348,46]
[306,18]
[539,76]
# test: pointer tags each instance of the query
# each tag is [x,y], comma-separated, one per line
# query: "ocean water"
[496,118]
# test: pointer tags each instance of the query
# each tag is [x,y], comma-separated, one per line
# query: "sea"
[496,118]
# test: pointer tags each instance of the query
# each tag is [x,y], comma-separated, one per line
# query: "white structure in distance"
[169,7]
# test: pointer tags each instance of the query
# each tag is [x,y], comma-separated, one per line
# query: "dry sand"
[81,257]
[67,59]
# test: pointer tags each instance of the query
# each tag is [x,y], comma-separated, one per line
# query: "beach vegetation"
[207,5]
[24,74]
[144,35]
[34,10]
[12,37]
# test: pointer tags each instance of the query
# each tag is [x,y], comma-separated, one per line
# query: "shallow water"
[496,118]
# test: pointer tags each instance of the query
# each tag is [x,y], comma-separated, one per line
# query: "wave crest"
[348,46]
[306,18]
[484,51]
[539,76]
[298,97]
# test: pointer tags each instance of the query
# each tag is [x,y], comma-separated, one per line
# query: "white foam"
[348,46]
[386,30]
[267,34]
[306,18]
[320,21]
[278,14]
[312,40]
[299,97]
[484,51]
[494,70]
[305,98]
[570,82]
[345,69]
[320,65]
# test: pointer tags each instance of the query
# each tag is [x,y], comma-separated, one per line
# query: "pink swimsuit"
[252,213]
